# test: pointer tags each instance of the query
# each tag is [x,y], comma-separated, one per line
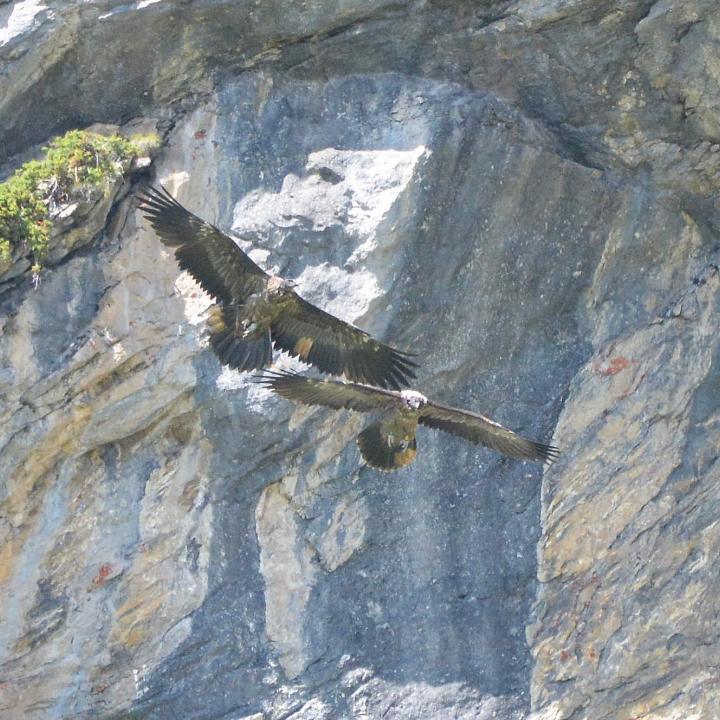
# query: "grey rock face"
[523,193]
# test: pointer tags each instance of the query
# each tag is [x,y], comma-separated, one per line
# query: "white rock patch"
[365,185]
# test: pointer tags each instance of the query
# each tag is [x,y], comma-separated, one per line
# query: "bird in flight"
[389,442]
[255,310]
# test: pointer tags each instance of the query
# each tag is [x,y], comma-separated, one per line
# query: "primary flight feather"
[255,310]
[389,442]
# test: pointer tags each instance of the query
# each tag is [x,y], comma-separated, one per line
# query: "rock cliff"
[525,193]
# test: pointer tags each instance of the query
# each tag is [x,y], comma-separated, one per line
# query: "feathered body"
[241,335]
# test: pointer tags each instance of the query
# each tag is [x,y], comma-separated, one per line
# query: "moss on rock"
[73,163]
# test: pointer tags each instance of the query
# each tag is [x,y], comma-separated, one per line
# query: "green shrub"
[74,162]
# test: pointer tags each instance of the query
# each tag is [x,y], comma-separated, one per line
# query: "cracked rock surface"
[522,192]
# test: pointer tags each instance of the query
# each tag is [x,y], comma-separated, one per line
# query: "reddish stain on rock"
[613,366]
[564,655]
[200,134]
[103,574]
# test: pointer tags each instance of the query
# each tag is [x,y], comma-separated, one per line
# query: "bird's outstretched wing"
[328,393]
[482,430]
[338,348]
[209,255]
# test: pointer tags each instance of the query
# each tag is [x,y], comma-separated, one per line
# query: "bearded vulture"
[255,310]
[389,442]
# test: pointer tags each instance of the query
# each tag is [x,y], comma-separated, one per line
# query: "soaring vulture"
[255,309]
[389,442]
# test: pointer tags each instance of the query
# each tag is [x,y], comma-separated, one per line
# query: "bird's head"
[279,286]
[413,400]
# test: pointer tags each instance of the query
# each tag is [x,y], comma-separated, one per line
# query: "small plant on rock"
[73,165]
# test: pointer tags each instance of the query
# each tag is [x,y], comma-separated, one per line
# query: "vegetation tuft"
[73,163]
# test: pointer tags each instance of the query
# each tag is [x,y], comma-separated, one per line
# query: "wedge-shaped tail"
[236,349]
[383,450]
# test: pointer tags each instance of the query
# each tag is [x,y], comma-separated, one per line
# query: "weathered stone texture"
[524,193]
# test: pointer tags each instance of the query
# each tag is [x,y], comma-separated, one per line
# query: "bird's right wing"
[328,393]
[336,347]
[480,429]
[209,255]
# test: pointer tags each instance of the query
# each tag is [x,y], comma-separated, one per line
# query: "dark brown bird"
[389,442]
[255,309]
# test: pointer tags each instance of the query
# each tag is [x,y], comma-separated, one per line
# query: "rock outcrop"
[525,194]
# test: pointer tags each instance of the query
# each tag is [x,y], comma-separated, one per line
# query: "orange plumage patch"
[303,346]
[216,320]
[404,457]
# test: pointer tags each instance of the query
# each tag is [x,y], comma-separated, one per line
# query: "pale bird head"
[277,285]
[412,399]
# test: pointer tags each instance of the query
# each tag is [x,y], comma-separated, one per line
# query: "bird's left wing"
[482,430]
[328,393]
[208,254]
[336,347]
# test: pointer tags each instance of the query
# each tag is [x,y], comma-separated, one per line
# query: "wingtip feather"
[547,453]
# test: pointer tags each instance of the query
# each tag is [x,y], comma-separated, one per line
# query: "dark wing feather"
[336,347]
[328,393]
[481,430]
[209,255]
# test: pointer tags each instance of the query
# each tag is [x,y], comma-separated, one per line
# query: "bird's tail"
[383,451]
[240,352]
